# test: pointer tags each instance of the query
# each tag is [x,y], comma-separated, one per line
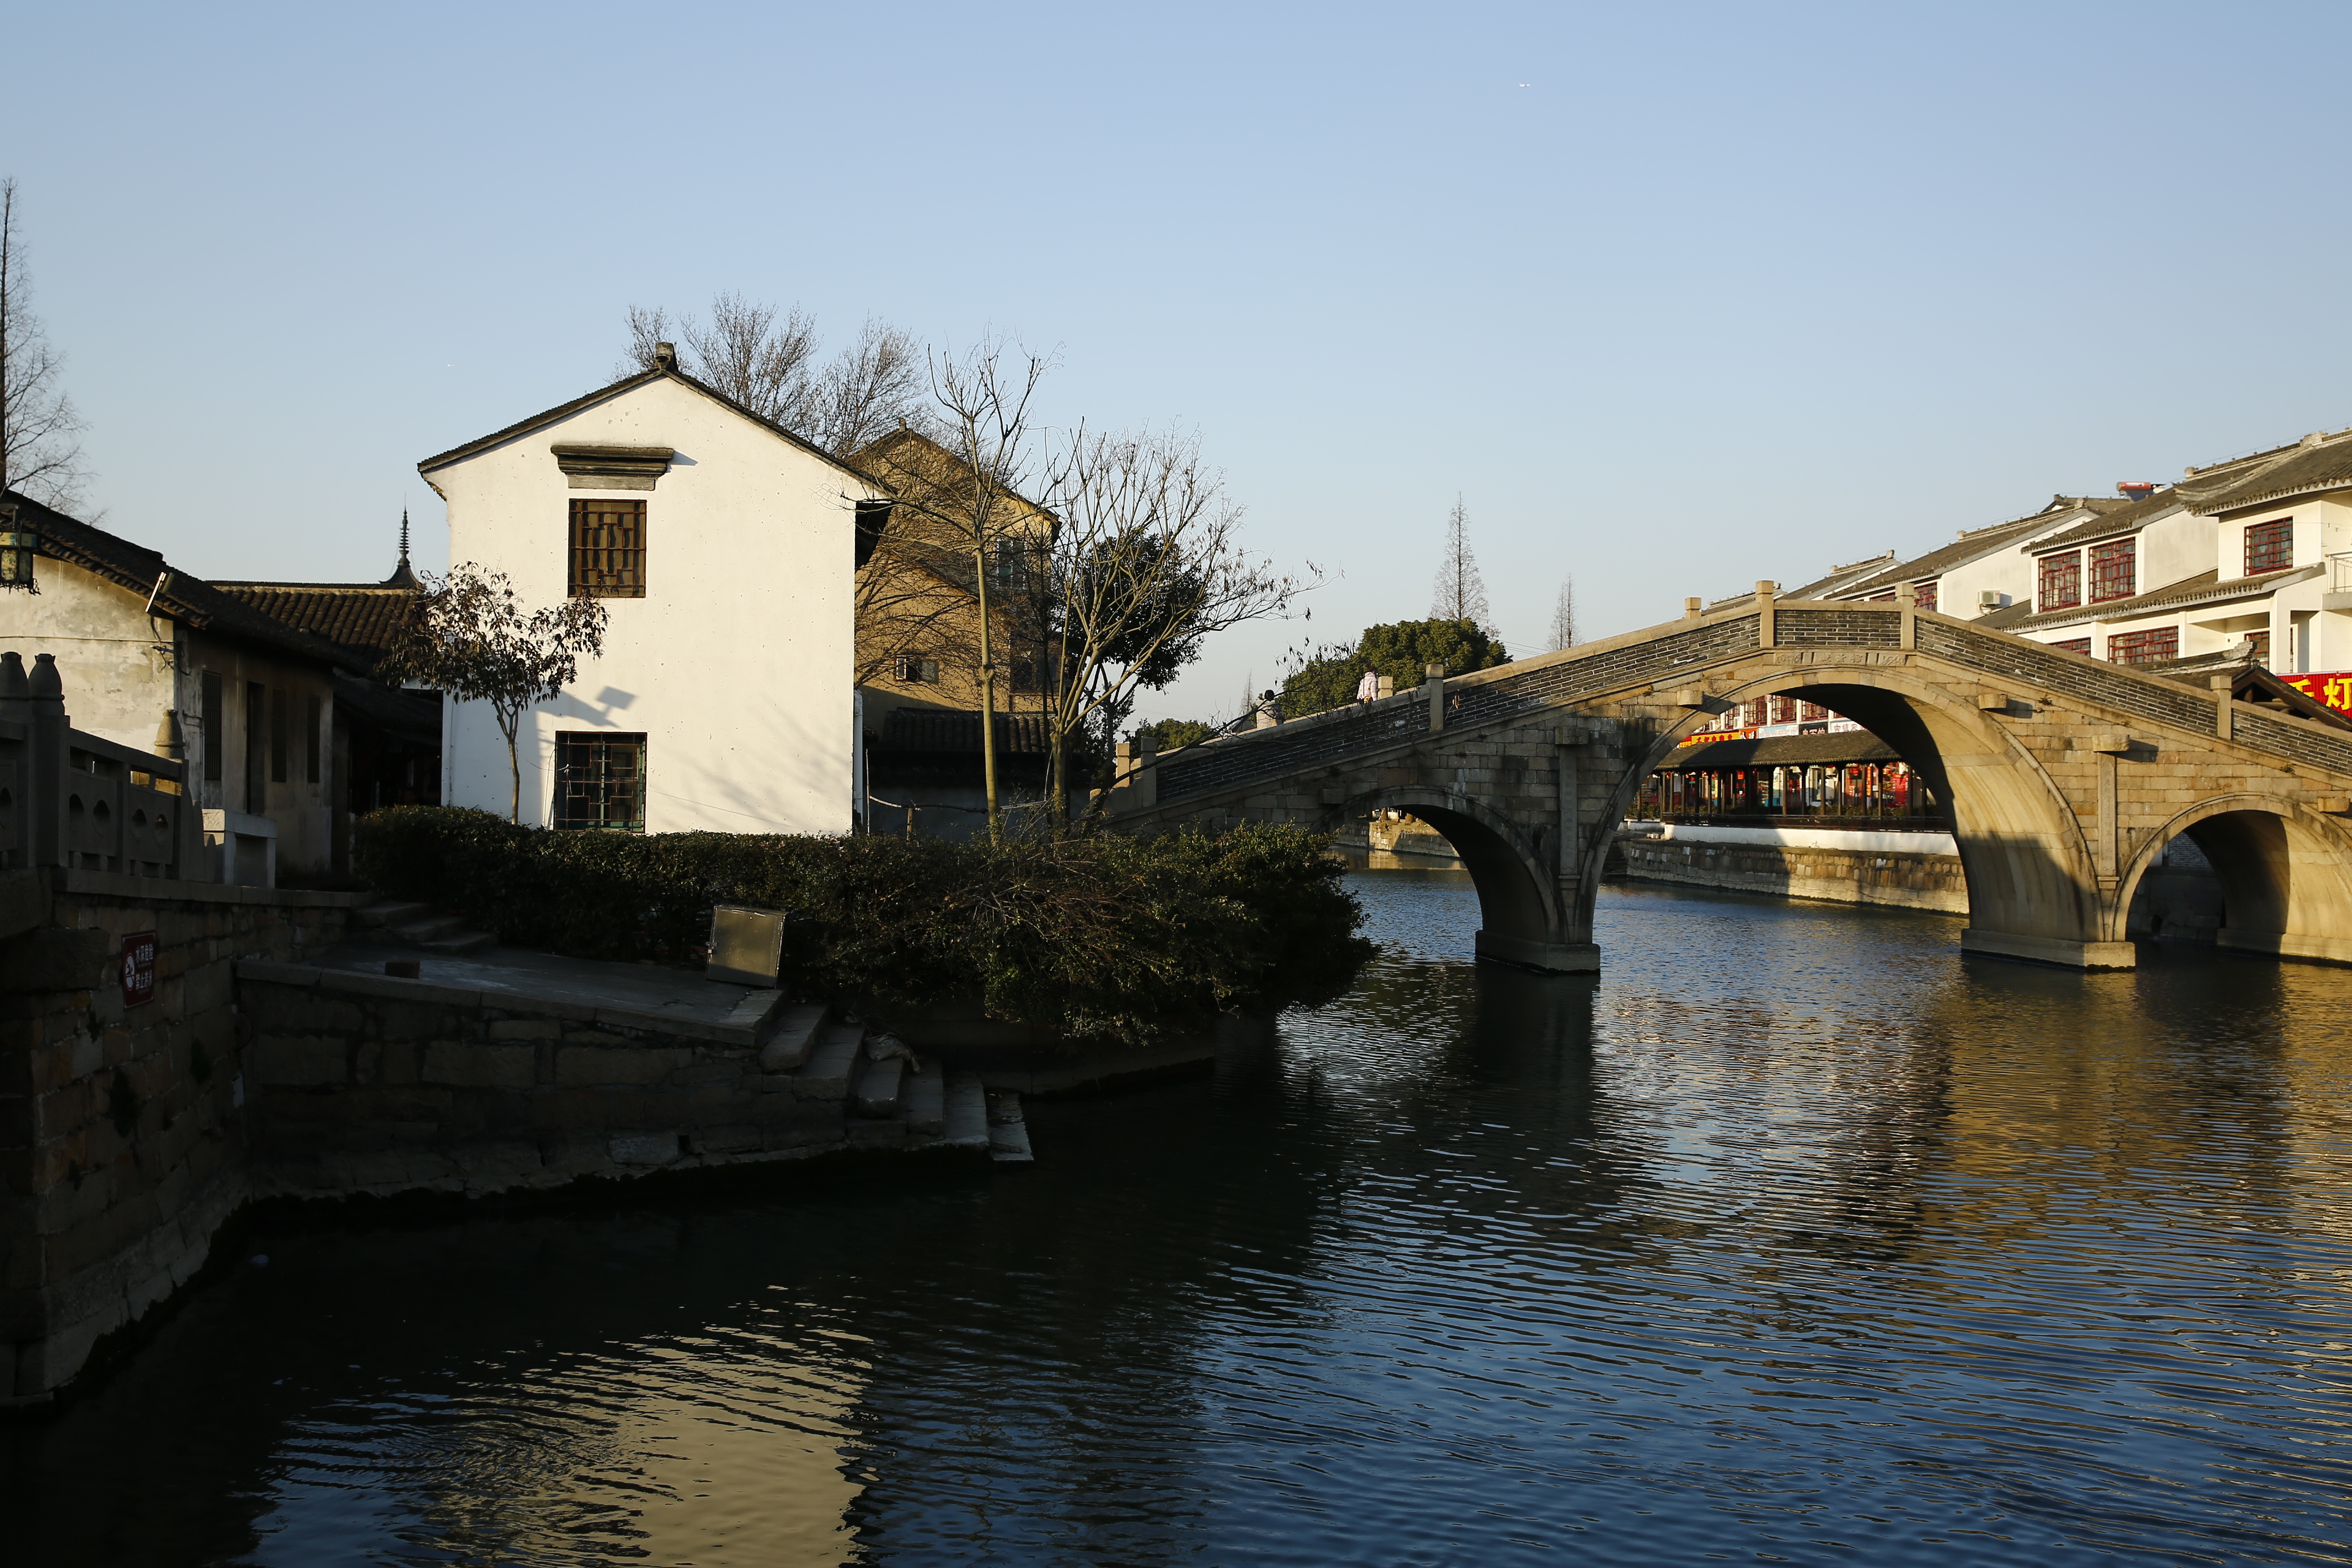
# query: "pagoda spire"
[402,577]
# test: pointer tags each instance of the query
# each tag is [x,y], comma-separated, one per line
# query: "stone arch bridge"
[2065,777]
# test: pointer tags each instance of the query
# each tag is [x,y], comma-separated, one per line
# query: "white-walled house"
[724,548]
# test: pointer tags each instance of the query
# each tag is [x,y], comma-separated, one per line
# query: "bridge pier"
[1550,957]
[2063,951]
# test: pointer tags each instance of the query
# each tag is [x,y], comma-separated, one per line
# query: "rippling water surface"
[1793,1238]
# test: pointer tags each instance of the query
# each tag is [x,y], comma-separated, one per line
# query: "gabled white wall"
[2174,547]
[738,663]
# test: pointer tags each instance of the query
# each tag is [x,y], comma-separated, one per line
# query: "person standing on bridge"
[1368,688]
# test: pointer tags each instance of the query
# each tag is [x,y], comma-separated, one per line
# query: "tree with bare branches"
[40,452]
[467,637]
[1461,592]
[768,362]
[1146,561]
[1563,617]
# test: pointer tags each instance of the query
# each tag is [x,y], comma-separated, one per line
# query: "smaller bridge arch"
[1518,896]
[2285,872]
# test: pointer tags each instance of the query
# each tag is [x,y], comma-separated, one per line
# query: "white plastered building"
[724,548]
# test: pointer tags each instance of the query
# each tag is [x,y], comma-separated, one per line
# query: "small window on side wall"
[909,670]
[2270,547]
[600,781]
[608,549]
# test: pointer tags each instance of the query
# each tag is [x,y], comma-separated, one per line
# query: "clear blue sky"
[1675,297]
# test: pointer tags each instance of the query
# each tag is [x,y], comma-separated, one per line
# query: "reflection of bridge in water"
[2066,776]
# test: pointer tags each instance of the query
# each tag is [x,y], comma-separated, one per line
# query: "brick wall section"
[123,1135]
[379,1085]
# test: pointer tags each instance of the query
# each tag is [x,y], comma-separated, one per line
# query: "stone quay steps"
[1008,1132]
[417,926]
[887,1102]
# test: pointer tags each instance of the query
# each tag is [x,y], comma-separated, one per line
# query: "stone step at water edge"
[925,1097]
[831,1063]
[1008,1131]
[879,1088]
[429,929]
[388,912]
[965,1113]
[789,1035]
[457,943]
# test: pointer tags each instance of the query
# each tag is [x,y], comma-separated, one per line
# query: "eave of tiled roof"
[2309,470]
[630,383]
[1781,751]
[2130,520]
[185,597]
[366,617]
[2187,594]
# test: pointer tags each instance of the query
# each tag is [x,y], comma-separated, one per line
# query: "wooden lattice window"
[2143,646]
[2270,547]
[2074,645]
[2060,587]
[1784,710]
[608,548]
[1923,594]
[600,781]
[2261,651]
[1808,712]
[2114,570]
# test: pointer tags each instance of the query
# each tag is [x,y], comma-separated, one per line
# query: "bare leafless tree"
[1461,592]
[1563,617]
[1146,561]
[40,454]
[768,362]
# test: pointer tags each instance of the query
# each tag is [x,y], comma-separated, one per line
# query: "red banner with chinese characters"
[2335,689]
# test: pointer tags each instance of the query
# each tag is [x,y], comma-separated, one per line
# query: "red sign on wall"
[2335,689]
[139,969]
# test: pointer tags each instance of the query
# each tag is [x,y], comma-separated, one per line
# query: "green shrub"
[1097,936]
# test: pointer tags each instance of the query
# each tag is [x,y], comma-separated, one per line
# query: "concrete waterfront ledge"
[2059,951]
[1857,841]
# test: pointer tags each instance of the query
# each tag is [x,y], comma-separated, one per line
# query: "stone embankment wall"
[1902,879]
[374,1084]
[125,1132]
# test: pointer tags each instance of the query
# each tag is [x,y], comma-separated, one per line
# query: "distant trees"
[769,366]
[469,637]
[1461,593]
[1401,650]
[40,455]
[1168,734]
[1563,617]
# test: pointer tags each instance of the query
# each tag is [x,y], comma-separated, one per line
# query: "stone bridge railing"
[1516,691]
[80,800]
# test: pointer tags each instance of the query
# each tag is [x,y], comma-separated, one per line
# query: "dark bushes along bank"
[1094,937]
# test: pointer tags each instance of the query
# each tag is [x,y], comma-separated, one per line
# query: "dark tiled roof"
[365,617]
[1935,563]
[186,598]
[628,383]
[950,730]
[2307,470]
[2128,519]
[1784,751]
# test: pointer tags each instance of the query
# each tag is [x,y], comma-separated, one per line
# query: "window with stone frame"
[2270,547]
[2074,645]
[608,548]
[2143,646]
[2115,570]
[2060,585]
[600,781]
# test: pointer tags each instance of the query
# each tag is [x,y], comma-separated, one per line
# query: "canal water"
[1793,1238]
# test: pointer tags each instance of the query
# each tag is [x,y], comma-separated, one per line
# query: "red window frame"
[2115,570]
[2074,645]
[1923,594]
[2145,646]
[2270,547]
[2059,584]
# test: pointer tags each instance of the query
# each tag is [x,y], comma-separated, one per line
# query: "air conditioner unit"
[1990,598]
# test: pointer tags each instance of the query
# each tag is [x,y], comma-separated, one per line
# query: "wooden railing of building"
[79,800]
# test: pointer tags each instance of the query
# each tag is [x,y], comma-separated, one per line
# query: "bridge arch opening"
[2286,891]
[2032,890]
[1518,898]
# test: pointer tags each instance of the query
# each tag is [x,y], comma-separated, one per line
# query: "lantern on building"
[16,551]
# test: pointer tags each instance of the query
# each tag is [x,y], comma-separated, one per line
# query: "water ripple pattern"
[1793,1238]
